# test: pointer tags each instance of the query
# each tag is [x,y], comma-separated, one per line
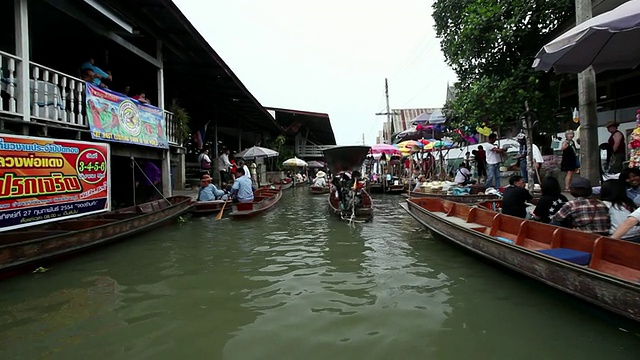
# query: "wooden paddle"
[219,216]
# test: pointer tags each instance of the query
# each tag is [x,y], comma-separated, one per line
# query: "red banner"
[44,180]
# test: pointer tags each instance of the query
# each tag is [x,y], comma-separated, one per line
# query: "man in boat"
[320,181]
[514,201]
[242,189]
[583,213]
[209,192]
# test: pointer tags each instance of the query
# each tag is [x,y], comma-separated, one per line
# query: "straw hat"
[611,123]
[320,174]
[206,178]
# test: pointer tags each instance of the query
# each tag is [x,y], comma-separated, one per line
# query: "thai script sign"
[115,117]
[44,180]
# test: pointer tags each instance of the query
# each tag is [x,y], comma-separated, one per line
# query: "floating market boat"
[263,199]
[319,189]
[284,184]
[467,199]
[598,269]
[361,213]
[38,245]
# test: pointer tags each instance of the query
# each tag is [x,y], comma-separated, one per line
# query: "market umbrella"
[295,162]
[385,148]
[256,152]
[607,41]
[316,164]
[421,119]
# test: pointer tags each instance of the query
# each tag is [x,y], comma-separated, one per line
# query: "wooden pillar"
[166,157]
[22,51]
[239,136]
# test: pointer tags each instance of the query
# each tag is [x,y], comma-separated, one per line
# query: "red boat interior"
[615,257]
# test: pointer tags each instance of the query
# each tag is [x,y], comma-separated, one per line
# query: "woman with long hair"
[570,162]
[551,200]
[614,194]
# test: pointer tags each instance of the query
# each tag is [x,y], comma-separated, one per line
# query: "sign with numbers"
[43,180]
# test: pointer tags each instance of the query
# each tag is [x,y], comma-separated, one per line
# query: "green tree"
[491,44]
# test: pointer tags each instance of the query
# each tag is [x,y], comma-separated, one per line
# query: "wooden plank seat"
[616,257]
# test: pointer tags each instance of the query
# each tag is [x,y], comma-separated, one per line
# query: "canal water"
[297,284]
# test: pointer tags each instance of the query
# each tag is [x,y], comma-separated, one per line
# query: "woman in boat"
[629,225]
[570,161]
[514,200]
[320,181]
[209,192]
[583,213]
[551,200]
[614,195]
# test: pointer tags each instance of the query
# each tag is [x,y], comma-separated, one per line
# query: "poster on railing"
[43,180]
[115,117]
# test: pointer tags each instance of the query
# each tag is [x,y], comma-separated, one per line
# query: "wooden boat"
[40,244]
[300,184]
[466,199]
[202,208]
[376,188]
[362,214]
[598,269]
[395,189]
[319,189]
[263,199]
[284,184]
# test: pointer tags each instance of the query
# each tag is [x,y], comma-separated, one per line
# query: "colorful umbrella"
[385,148]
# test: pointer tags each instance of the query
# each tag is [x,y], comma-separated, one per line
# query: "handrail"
[56,71]
[10,56]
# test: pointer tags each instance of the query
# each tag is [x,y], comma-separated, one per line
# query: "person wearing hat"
[617,146]
[208,191]
[583,213]
[320,180]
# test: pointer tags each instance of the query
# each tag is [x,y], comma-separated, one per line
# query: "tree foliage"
[491,44]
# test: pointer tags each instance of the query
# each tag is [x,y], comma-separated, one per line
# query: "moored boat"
[284,184]
[395,189]
[41,244]
[362,213]
[319,189]
[598,269]
[467,199]
[376,188]
[263,199]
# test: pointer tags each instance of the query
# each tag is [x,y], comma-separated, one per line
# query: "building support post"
[22,51]
[239,136]
[590,157]
[166,158]
[216,150]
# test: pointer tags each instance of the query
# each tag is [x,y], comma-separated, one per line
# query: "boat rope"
[150,182]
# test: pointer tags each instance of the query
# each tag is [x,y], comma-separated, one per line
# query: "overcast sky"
[329,56]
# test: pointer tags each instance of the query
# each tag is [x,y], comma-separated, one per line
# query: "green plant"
[182,119]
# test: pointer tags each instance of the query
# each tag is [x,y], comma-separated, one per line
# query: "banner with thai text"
[115,117]
[44,180]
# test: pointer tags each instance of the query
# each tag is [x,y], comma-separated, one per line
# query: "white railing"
[312,150]
[8,91]
[56,96]
[172,128]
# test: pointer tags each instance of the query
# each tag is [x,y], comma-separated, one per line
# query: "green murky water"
[297,284]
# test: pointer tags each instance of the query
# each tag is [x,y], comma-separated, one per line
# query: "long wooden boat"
[300,184]
[41,244]
[316,190]
[203,208]
[395,189]
[362,214]
[283,184]
[376,188]
[263,199]
[598,269]
[466,199]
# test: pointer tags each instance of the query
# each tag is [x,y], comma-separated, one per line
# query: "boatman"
[209,192]
[242,189]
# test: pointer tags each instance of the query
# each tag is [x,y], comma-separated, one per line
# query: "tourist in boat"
[242,189]
[209,192]
[550,202]
[583,213]
[494,157]
[630,225]
[514,200]
[631,178]
[569,163]
[463,176]
[613,194]
[320,180]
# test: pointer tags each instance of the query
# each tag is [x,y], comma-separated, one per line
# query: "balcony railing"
[313,150]
[54,96]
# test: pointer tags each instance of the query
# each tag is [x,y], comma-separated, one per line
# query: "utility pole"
[590,162]
[362,138]
[388,113]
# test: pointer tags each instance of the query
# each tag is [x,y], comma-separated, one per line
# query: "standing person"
[570,162]
[224,165]
[205,162]
[538,160]
[551,200]
[242,189]
[617,146]
[583,213]
[494,157]
[515,197]
[481,163]
[243,165]
[522,156]
[151,177]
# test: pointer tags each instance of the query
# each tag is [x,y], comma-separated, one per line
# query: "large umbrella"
[607,41]
[256,152]
[295,162]
[316,164]
[385,148]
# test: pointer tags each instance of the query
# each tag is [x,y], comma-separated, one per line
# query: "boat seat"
[505,240]
[570,255]
[456,220]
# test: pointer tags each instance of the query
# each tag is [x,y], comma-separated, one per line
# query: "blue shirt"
[209,193]
[633,193]
[96,70]
[243,188]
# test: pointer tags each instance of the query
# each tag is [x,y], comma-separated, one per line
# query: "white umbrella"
[607,41]
[294,161]
[256,152]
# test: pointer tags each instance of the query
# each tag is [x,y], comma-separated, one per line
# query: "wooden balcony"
[55,97]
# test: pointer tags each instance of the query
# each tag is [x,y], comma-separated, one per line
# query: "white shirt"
[461,175]
[223,162]
[618,216]
[246,171]
[204,157]
[320,181]
[537,155]
[492,156]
